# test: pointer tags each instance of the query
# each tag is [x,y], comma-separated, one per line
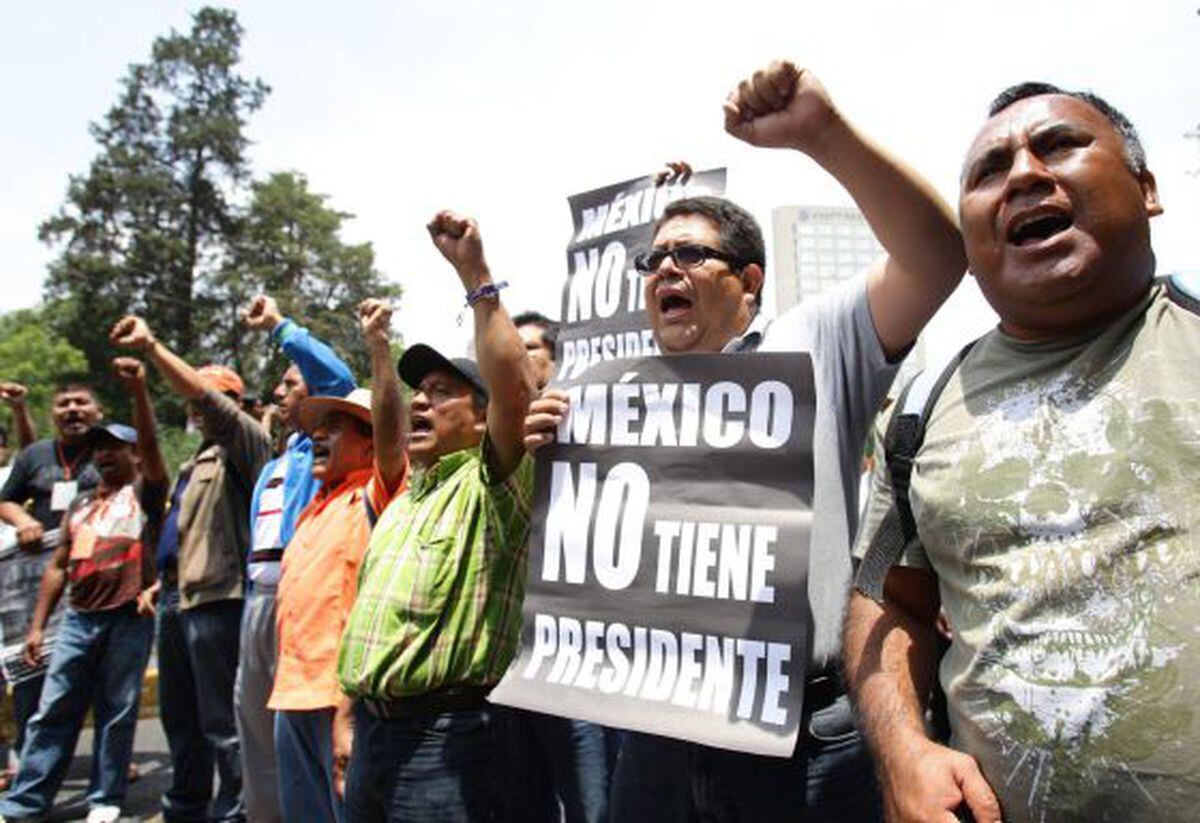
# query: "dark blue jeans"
[98,663]
[445,767]
[559,768]
[26,695]
[829,779]
[304,756]
[197,665]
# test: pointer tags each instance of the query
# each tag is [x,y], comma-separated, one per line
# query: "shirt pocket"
[435,582]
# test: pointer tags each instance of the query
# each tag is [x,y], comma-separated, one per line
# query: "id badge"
[62,494]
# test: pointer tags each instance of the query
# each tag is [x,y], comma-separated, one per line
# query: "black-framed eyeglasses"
[685,257]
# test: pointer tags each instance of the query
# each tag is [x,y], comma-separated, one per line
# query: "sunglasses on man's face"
[684,257]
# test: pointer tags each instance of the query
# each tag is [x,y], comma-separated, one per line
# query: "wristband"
[485,292]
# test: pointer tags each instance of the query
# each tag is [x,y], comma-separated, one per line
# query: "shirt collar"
[425,481]
[752,337]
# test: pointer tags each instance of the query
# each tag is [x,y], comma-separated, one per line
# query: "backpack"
[906,433]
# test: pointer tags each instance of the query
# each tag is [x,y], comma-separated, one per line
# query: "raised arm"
[132,332]
[889,656]
[389,414]
[324,372]
[14,396]
[782,106]
[132,374]
[503,363]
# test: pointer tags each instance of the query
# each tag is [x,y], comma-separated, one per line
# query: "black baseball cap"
[419,360]
[116,431]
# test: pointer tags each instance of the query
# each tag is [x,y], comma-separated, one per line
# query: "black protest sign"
[668,560]
[603,308]
[21,573]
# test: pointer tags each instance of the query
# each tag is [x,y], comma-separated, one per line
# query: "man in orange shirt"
[359,457]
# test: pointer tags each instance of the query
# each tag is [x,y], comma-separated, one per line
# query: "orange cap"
[222,379]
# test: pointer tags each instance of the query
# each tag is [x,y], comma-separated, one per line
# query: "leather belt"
[450,699]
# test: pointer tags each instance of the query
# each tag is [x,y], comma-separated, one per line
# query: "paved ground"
[142,802]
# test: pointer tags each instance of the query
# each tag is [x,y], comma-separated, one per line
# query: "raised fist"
[673,171]
[262,313]
[13,394]
[375,319]
[130,371]
[457,238]
[131,332]
[780,106]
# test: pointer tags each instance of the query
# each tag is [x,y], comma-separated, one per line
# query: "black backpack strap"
[1184,289]
[901,442]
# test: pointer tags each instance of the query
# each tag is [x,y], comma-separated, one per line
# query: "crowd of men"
[331,616]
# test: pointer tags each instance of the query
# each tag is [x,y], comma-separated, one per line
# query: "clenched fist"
[457,238]
[780,106]
[13,394]
[130,371]
[375,319]
[262,313]
[131,332]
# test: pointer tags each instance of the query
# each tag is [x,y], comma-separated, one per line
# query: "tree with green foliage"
[146,228]
[288,245]
[34,355]
[167,223]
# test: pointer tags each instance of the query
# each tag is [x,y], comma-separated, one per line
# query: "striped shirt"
[440,589]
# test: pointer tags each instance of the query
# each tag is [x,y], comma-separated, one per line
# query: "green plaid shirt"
[440,589]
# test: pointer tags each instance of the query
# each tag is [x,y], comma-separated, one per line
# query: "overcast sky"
[502,109]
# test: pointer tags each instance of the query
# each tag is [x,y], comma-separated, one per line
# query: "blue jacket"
[325,374]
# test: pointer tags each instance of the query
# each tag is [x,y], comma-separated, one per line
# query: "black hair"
[741,236]
[76,386]
[536,318]
[1135,154]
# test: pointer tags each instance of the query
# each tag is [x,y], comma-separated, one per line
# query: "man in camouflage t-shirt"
[1054,498]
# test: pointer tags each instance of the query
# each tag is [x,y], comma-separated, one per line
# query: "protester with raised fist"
[104,561]
[200,555]
[438,613]
[704,275]
[46,476]
[358,454]
[284,488]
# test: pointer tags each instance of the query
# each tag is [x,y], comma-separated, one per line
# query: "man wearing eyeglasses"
[703,283]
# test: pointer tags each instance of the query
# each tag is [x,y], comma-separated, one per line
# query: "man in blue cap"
[105,563]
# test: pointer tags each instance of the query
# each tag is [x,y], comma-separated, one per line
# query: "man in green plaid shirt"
[438,613]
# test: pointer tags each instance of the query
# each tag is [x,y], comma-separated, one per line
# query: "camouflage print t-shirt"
[1057,497]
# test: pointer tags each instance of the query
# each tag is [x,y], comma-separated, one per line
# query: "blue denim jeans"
[444,767]
[98,663]
[829,779]
[560,769]
[197,664]
[304,754]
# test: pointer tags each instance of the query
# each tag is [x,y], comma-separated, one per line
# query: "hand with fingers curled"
[673,171]
[545,415]
[375,321]
[132,332]
[14,395]
[780,106]
[33,647]
[130,371]
[930,782]
[458,239]
[262,313]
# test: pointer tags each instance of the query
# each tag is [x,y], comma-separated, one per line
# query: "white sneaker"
[104,814]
